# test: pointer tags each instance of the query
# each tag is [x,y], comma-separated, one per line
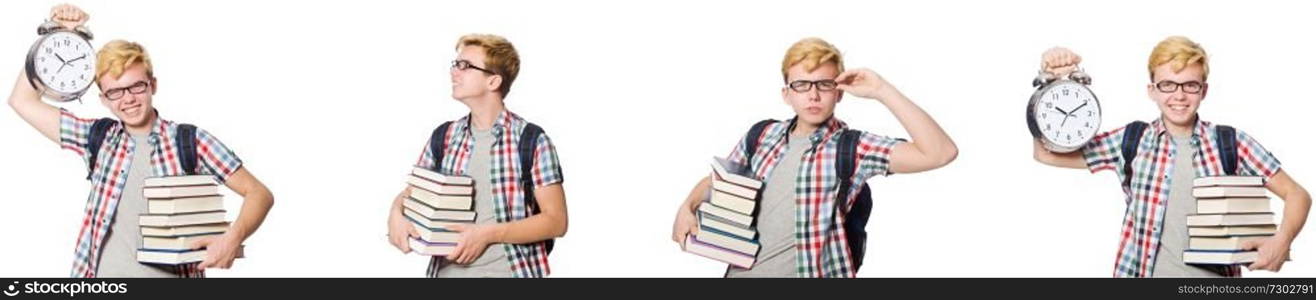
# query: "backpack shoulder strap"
[1129,147]
[439,143]
[1227,143]
[845,163]
[96,137]
[752,138]
[185,142]
[526,150]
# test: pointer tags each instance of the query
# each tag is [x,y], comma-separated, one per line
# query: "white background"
[330,103]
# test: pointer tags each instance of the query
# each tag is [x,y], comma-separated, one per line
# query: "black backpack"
[186,146]
[1226,142]
[856,219]
[525,149]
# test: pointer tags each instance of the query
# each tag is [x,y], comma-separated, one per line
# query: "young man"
[508,239]
[137,146]
[1174,149]
[798,223]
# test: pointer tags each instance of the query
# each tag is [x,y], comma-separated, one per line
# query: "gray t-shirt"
[493,262]
[776,220]
[1174,232]
[119,255]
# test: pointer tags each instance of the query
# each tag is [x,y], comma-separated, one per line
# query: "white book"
[436,235]
[730,215]
[1268,229]
[728,256]
[1229,181]
[180,191]
[1231,219]
[168,257]
[734,173]
[431,249]
[431,175]
[732,202]
[417,218]
[184,205]
[727,241]
[184,230]
[187,180]
[172,243]
[438,214]
[181,219]
[435,187]
[462,202]
[726,226]
[1233,205]
[739,191]
[1219,257]
[1228,191]
[1232,243]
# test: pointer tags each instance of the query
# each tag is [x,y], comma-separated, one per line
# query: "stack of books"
[179,211]
[435,202]
[1231,210]
[726,219]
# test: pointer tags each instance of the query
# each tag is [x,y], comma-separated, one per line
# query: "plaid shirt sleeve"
[737,154]
[215,158]
[546,170]
[1253,159]
[1103,152]
[73,133]
[426,159]
[874,154]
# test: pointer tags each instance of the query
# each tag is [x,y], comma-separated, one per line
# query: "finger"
[455,228]
[1250,244]
[411,231]
[201,243]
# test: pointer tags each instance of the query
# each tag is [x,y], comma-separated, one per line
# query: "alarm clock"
[62,63]
[1063,113]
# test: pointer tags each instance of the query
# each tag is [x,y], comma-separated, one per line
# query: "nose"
[814,94]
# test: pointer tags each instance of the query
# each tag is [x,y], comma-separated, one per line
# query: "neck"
[484,111]
[1180,129]
[803,128]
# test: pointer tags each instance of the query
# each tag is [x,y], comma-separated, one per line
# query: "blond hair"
[812,52]
[499,57]
[117,55]
[1179,52]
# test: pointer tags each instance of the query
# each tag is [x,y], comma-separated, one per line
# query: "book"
[176,231]
[1233,205]
[726,240]
[432,249]
[184,205]
[437,188]
[455,202]
[170,257]
[1222,243]
[435,234]
[1219,257]
[417,218]
[192,218]
[730,215]
[1229,181]
[729,256]
[172,243]
[438,214]
[1229,191]
[431,175]
[734,173]
[732,202]
[735,190]
[187,180]
[727,226]
[1231,219]
[180,191]
[1267,229]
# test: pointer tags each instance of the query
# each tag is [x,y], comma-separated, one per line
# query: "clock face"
[64,62]
[1067,114]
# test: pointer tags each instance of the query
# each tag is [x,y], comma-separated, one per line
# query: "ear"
[493,83]
[1205,88]
[155,85]
[1151,91]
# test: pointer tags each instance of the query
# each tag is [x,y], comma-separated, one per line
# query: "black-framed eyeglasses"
[462,64]
[1191,87]
[135,89]
[802,86]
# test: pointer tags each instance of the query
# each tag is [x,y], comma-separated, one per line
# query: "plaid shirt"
[527,260]
[1149,188]
[820,238]
[111,170]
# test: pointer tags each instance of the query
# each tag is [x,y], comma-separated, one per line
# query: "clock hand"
[1076,108]
[61,58]
[1061,111]
[76,59]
